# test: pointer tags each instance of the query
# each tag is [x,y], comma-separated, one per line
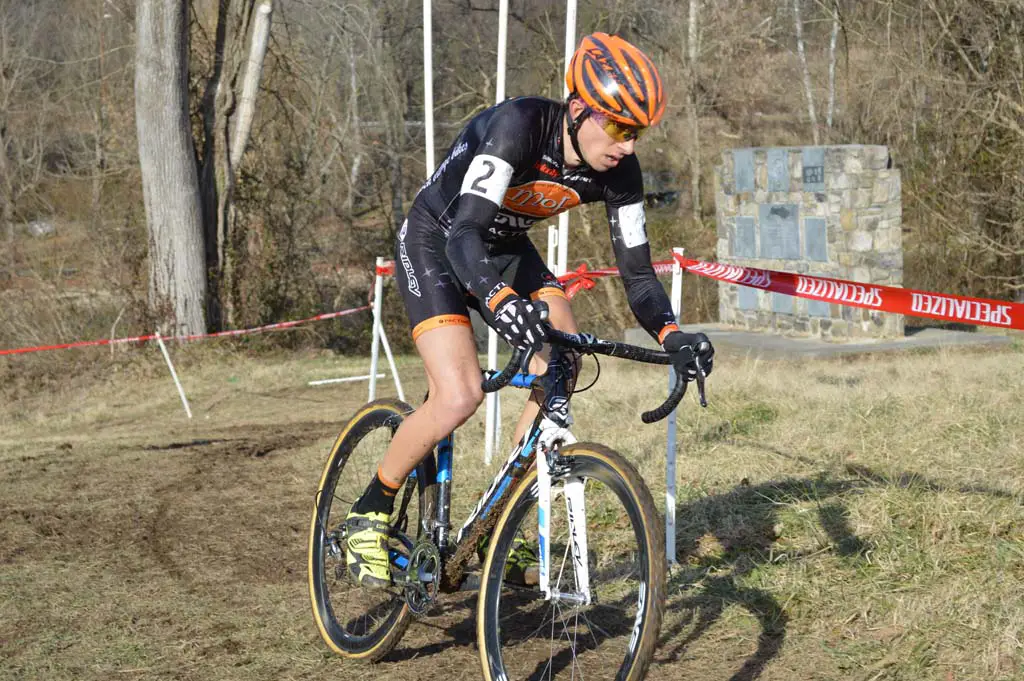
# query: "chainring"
[423,576]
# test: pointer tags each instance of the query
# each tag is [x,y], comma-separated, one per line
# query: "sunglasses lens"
[621,132]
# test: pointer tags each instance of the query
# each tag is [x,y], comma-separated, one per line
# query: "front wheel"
[523,636]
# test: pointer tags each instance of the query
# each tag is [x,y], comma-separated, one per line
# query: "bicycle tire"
[394,615]
[496,629]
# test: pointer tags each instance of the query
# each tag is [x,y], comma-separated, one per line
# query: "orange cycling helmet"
[615,79]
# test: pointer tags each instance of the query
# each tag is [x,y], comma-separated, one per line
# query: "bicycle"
[600,602]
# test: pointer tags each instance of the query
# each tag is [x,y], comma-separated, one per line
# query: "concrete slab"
[730,339]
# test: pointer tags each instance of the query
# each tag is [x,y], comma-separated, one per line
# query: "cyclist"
[465,244]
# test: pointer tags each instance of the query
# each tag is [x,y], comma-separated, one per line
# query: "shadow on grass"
[453,620]
[743,522]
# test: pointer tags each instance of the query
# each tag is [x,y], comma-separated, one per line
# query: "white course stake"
[346,379]
[428,85]
[378,293]
[174,374]
[492,410]
[552,261]
[391,363]
[491,400]
[380,338]
[670,453]
[562,264]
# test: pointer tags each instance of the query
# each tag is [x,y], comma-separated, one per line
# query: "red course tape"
[998,313]
[219,334]
[983,311]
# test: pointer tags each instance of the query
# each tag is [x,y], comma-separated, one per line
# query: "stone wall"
[828,211]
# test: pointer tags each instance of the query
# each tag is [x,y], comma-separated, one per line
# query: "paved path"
[769,345]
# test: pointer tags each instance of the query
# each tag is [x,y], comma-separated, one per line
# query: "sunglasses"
[620,132]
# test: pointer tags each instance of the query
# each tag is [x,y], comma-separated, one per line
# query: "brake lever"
[524,364]
[700,389]
[701,377]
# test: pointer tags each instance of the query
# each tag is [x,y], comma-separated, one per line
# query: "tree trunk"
[695,160]
[397,211]
[356,134]
[7,218]
[6,201]
[217,173]
[251,83]
[808,91]
[177,280]
[231,245]
[832,67]
[101,124]
[210,184]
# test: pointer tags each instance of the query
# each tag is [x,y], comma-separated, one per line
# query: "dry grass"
[840,519]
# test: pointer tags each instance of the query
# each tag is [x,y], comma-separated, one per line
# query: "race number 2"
[487,176]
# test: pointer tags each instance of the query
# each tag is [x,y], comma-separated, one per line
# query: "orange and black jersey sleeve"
[505,172]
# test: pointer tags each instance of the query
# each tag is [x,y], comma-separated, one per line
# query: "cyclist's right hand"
[521,323]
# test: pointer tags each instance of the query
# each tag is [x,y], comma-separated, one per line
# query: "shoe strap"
[360,523]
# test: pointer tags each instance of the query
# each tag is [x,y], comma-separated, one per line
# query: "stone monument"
[830,211]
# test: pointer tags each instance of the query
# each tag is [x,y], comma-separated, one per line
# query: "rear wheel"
[523,636]
[354,621]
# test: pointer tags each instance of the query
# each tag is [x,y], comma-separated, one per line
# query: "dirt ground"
[135,544]
[184,558]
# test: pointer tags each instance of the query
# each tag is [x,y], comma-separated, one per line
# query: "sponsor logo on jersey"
[504,233]
[403,255]
[541,199]
[456,152]
[546,169]
[410,274]
[517,222]
[495,290]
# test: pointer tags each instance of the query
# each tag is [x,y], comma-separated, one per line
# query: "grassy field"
[838,519]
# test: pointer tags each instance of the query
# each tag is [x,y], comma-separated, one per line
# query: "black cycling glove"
[691,353]
[521,323]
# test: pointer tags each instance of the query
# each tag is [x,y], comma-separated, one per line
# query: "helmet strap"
[574,126]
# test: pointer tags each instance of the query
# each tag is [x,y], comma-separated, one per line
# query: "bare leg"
[561,317]
[453,375]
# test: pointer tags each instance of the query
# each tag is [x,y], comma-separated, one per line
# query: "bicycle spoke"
[355,620]
[593,640]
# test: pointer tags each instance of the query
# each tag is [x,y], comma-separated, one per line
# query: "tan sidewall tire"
[653,538]
[342,447]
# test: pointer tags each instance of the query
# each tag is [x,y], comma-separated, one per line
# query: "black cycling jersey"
[503,173]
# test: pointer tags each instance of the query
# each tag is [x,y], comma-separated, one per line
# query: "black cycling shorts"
[433,295]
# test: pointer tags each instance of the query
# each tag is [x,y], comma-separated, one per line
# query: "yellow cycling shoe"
[366,548]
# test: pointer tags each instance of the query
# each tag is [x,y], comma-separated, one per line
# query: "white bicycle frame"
[551,436]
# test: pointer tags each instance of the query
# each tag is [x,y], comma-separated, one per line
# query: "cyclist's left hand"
[691,353]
